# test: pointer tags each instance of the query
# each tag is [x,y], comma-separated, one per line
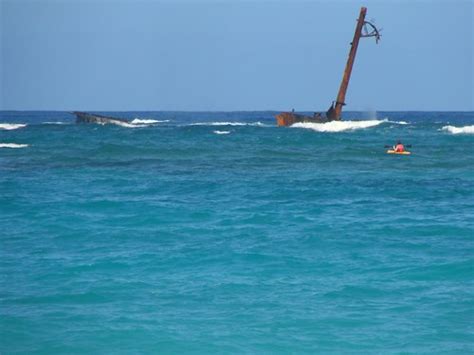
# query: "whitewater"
[219,232]
[459,130]
[11,126]
[339,126]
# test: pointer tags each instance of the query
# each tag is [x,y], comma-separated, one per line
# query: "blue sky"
[233,55]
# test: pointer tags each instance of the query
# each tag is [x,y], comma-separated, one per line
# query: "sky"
[211,55]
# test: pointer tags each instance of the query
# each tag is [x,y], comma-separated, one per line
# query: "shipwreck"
[363,29]
[85,117]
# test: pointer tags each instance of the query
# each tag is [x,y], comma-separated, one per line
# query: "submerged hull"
[84,117]
[290,118]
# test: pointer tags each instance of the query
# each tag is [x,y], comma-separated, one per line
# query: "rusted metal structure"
[363,29]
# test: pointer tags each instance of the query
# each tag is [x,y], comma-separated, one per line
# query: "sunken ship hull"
[85,117]
[290,118]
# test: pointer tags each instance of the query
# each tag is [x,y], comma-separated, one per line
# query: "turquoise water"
[177,237]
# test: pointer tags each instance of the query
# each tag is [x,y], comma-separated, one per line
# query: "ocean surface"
[218,232]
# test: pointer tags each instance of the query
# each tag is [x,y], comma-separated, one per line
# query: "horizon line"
[217,111]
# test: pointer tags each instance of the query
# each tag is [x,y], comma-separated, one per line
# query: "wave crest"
[338,126]
[459,130]
[125,124]
[221,132]
[13,145]
[136,123]
[10,126]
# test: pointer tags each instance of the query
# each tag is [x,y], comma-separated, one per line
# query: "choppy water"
[191,234]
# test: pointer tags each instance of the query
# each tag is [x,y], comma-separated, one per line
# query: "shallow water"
[170,237]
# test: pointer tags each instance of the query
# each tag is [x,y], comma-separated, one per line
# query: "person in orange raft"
[399,147]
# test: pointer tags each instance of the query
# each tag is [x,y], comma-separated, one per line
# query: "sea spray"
[371,114]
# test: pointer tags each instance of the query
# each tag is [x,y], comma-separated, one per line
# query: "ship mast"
[363,29]
[334,113]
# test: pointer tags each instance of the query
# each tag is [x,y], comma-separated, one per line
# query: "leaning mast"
[363,29]
[341,96]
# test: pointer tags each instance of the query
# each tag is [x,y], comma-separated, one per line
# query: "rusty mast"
[363,29]
[341,96]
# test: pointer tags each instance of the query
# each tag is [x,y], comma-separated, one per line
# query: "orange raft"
[391,151]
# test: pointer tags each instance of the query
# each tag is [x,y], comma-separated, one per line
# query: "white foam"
[136,123]
[399,122]
[127,124]
[147,121]
[260,124]
[338,126]
[459,130]
[13,145]
[221,132]
[59,122]
[10,126]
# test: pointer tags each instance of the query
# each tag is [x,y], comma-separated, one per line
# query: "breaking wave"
[221,132]
[259,124]
[147,121]
[137,123]
[459,130]
[10,126]
[13,145]
[338,126]
[126,124]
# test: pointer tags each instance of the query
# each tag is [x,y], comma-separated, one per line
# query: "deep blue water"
[177,237]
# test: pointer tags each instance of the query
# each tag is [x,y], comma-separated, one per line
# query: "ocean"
[218,232]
